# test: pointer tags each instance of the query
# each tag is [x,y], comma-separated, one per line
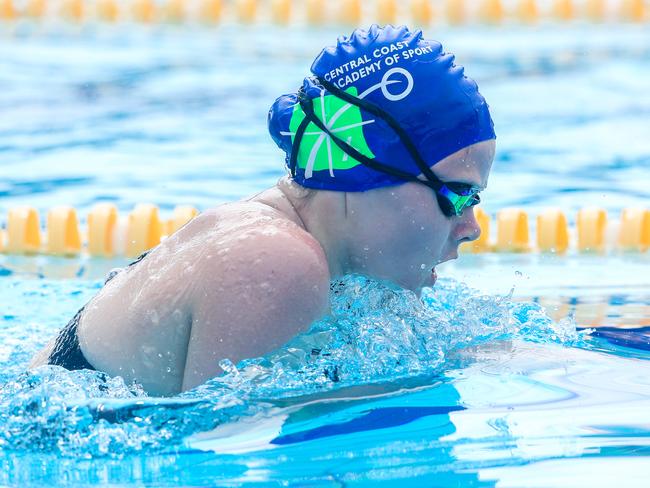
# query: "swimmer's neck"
[325,221]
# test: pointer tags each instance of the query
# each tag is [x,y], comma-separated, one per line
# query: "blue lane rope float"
[107,234]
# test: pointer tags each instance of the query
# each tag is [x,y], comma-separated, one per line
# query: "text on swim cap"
[382,57]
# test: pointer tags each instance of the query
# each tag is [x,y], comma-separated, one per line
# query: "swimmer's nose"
[467,228]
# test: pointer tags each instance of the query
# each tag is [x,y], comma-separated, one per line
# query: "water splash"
[375,333]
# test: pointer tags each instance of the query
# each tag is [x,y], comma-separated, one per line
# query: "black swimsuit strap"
[67,352]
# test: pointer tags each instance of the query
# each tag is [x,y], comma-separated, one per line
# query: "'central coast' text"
[365,65]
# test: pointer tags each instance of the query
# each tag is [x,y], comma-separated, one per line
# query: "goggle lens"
[454,198]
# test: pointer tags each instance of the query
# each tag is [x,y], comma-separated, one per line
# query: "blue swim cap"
[382,96]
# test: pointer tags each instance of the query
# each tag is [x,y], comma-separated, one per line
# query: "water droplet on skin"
[153,316]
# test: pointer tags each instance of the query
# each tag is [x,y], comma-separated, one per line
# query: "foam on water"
[376,333]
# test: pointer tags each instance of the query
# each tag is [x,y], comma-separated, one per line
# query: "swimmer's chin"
[427,282]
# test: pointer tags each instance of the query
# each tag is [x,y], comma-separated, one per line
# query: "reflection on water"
[507,405]
[622,311]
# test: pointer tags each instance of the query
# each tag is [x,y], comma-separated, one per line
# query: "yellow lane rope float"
[591,225]
[320,12]
[422,12]
[107,234]
[491,11]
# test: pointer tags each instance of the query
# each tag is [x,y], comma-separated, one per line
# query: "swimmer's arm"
[277,286]
[138,325]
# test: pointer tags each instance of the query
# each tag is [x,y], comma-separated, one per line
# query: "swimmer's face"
[400,232]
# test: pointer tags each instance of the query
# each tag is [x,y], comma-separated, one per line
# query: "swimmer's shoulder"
[258,285]
[230,237]
[232,217]
[248,223]
[249,242]
[232,248]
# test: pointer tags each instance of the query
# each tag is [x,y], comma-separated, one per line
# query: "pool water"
[513,371]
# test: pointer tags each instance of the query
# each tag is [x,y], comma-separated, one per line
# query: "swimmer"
[385,165]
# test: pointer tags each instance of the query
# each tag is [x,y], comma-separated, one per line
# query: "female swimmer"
[387,145]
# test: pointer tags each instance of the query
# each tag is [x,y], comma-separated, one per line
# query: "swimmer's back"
[236,282]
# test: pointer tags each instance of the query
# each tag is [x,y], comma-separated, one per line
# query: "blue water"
[533,373]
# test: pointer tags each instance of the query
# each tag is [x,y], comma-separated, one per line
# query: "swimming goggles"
[453,198]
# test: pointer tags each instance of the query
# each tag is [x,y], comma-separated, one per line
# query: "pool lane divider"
[107,234]
[592,233]
[326,12]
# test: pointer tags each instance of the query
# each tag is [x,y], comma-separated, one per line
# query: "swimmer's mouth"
[434,274]
[449,257]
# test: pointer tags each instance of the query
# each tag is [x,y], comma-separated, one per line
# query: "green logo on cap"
[317,151]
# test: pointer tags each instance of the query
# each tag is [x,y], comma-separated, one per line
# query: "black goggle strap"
[295,147]
[388,118]
[310,116]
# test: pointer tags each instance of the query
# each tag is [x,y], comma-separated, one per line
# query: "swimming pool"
[477,386]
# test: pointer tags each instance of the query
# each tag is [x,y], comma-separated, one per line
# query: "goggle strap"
[308,109]
[295,147]
[386,117]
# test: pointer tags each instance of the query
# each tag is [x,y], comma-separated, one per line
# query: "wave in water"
[376,334]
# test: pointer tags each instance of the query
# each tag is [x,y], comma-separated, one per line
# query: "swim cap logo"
[385,81]
[346,122]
